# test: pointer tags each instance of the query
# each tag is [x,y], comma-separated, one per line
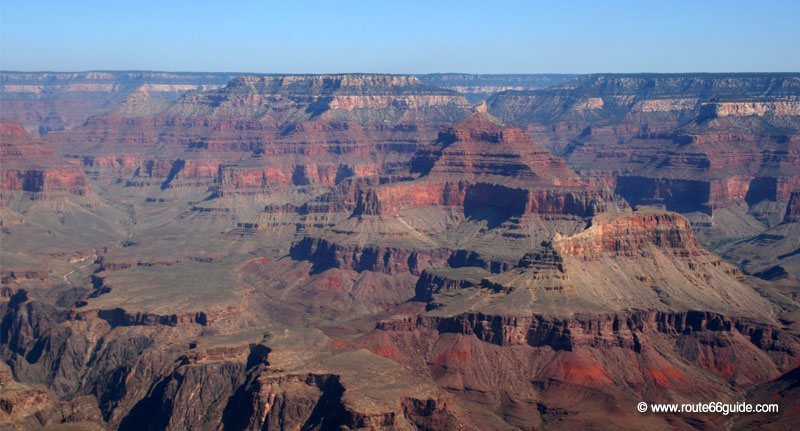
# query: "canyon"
[369,251]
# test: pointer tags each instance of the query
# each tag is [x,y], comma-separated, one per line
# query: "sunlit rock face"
[30,166]
[364,251]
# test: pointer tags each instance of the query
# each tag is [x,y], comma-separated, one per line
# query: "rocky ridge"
[362,251]
[47,102]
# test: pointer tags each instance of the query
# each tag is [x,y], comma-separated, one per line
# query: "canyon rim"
[398,251]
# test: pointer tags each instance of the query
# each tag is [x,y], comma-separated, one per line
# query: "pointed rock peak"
[481,146]
[481,111]
[480,118]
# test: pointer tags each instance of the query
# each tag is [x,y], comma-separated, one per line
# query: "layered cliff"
[689,319]
[476,197]
[479,87]
[31,166]
[673,352]
[689,142]
[361,251]
[480,164]
[627,234]
[281,128]
[360,99]
[478,174]
[482,147]
[629,94]
[46,102]
[637,260]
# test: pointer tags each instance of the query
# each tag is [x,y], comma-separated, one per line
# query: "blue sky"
[401,37]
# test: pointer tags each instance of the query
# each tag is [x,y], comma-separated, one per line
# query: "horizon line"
[391,73]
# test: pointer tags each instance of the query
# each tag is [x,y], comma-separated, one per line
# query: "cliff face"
[388,260]
[793,209]
[689,142]
[474,197]
[747,109]
[289,130]
[482,147]
[479,87]
[360,99]
[47,102]
[639,260]
[362,251]
[481,165]
[30,166]
[626,235]
[637,332]
[619,329]
[567,359]
[658,103]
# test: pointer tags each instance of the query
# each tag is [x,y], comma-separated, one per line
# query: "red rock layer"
[30,166]
[686,195]
[516,200]
[481,147]
[249,179]
[666,135]
[290,130]
[636,331]
[626,234]
[480,164]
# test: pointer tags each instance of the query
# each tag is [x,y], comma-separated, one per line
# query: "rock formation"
[30,166]
[364,251]
[695,142]
[48,102]
[479,87]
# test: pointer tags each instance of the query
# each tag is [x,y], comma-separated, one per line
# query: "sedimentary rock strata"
[363,251]
[670,131]
[30,166]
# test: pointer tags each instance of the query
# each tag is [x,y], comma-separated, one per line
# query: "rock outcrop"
[387,260]
[691,143]
[793,209]
[50,102]
[480,164]
[282,130]
[365,251]
[482,147]
[675,358]
[477,88]
[30,166]
[626,235]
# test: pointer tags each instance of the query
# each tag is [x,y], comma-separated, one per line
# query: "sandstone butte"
[361,251]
